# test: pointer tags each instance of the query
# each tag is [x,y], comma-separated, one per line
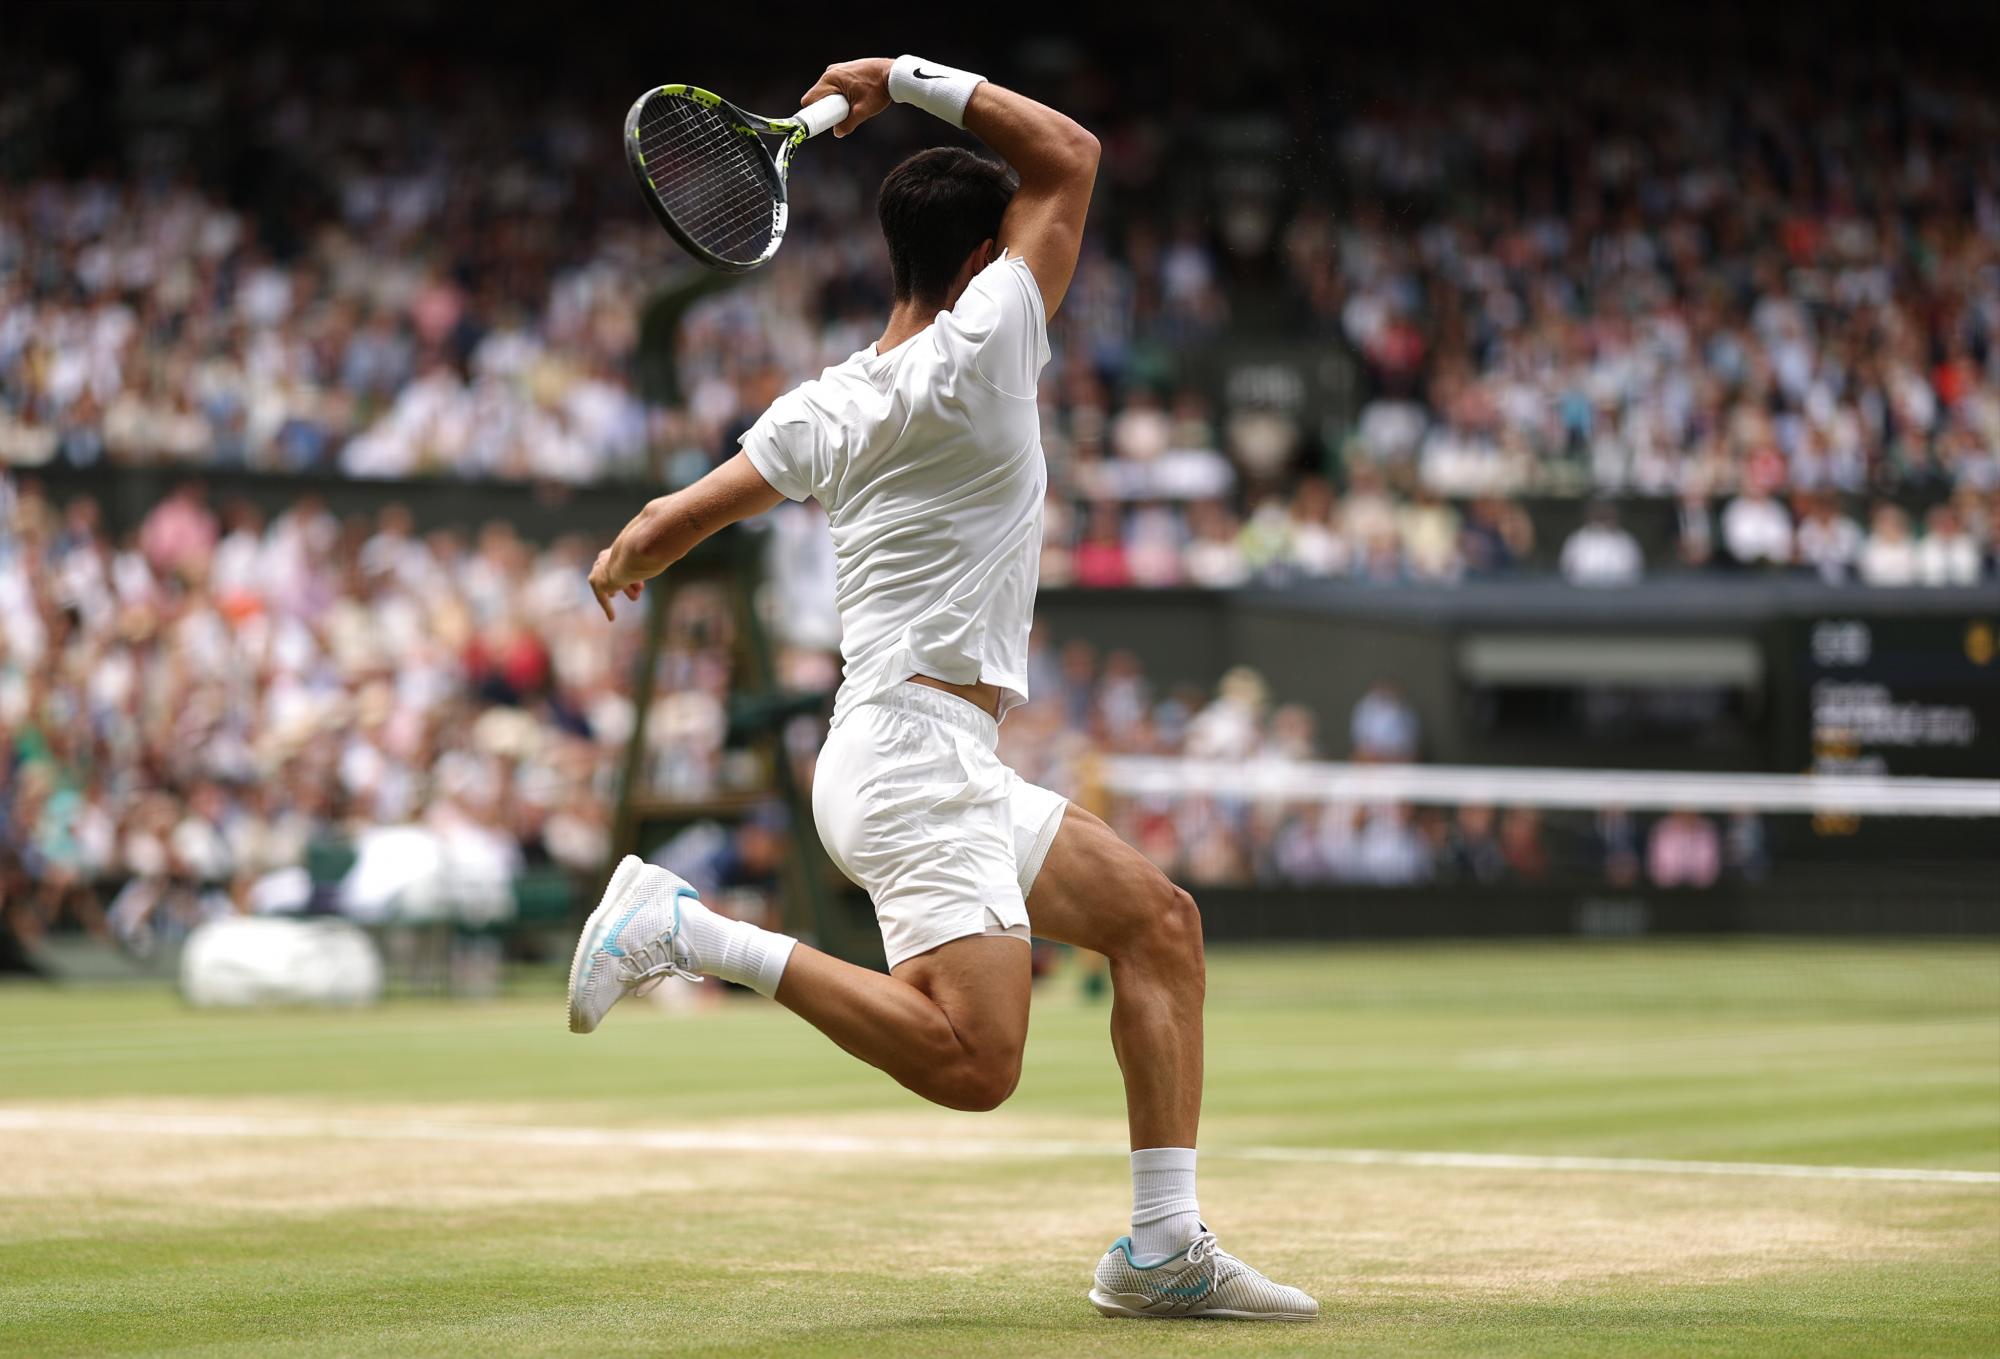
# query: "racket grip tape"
[822,114]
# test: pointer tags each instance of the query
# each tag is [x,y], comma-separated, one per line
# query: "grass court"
[433,1179]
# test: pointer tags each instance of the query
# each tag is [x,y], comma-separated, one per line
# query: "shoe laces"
[1204,1247]
[652,963]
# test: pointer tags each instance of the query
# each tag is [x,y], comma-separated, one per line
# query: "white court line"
[933,1148]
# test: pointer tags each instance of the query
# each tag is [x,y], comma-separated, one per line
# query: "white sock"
[735,950]
[1165,1216]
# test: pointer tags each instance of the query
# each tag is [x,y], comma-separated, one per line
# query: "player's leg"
[1095,891]
[1099,893]
[949,1024]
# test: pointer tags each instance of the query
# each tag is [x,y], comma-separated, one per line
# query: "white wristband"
[941,91]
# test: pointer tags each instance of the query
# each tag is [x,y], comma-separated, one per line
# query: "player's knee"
[992,1089]
[1172,922]
[1180,925]
[977,1085]
[1160,930]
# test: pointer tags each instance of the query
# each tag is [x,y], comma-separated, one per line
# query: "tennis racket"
[708,175]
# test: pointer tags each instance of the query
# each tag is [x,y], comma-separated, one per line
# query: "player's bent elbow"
[1065,158]
[1083,151]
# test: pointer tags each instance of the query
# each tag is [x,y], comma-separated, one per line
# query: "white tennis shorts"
[914,805]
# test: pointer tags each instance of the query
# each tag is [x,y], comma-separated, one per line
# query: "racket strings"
[712,177]
[711,180]
[716,182]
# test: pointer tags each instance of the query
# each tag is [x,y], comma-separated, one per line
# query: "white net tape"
[1587,789]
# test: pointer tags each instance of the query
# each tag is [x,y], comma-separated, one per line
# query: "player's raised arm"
[671,526]
[1056,158]
[1054,155]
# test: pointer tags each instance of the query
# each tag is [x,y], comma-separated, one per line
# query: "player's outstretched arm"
[1055,156]
[670,527]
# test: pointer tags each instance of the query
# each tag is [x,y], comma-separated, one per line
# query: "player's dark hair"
[936,208]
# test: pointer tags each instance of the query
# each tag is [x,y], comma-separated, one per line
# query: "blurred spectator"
[737,870]
[1499,538]
[179,533]
[1522,846]
[1389,852]
[1828,541]
[1215,556]
[1756,530]
[1314,545]
[1429,532]
[1948,555]
[1618,844]
[1602,552]
[1229,727]
[1684,851]
[1745,851]
[1473,852]
[1694,525]
[1100,561]
[1889,557]
[1384,727]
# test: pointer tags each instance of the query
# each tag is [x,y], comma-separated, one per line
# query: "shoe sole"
[1109,1305]
[592,933]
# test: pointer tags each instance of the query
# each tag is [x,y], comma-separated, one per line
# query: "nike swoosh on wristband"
[918,72]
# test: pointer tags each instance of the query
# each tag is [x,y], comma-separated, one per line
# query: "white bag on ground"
[247,960]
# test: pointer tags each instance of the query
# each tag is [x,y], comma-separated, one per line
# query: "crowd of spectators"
[1634,283]
[1766,302]
[1814,537]
[144,324]
[186,710]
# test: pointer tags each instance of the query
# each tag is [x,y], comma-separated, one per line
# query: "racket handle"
[822,114]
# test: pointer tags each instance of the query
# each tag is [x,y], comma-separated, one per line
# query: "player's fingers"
[858,113]
[603,602]
[818,92]
[632,591]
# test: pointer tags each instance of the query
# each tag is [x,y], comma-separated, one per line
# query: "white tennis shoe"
[633,941]
[1199,1280]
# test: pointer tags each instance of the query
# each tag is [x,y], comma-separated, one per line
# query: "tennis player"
[925,451]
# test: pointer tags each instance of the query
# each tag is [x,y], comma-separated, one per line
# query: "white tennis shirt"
[928,463]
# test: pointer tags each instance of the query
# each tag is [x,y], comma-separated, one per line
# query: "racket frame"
[794,132]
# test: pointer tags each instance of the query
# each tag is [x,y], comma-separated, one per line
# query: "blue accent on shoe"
[673,929]
[1123,1245]
[611,931]
[623,921]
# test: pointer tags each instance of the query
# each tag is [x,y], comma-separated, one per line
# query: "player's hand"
[864,82]
[605,584]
